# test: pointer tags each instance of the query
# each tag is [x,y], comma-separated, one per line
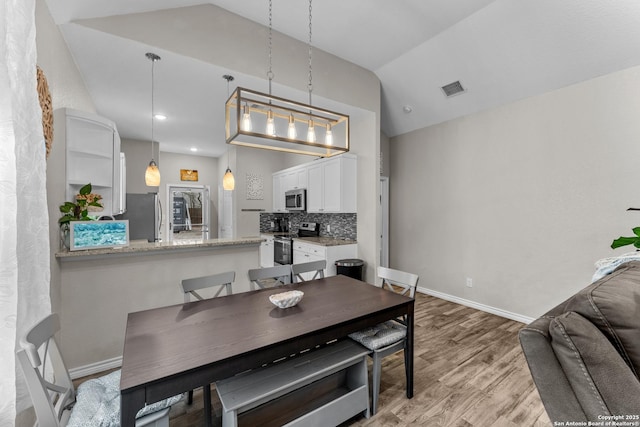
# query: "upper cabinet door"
[315,188]
[278,193]
[332,190]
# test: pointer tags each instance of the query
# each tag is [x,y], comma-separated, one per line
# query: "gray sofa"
[584,354]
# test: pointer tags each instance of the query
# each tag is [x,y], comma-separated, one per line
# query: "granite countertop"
[141,247]
[321,240]
[326,241]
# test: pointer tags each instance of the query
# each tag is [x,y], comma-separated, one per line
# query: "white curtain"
[24,230]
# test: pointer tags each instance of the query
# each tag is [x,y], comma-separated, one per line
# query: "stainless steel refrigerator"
[144,213]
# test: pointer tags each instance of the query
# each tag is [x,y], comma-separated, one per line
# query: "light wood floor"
[469,372]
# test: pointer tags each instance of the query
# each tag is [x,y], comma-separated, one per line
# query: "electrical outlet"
[328,228]
[469,282]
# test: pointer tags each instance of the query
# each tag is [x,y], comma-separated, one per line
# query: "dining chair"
[55,400]
[306,267]
[388,337]
[224,282]
[270,277]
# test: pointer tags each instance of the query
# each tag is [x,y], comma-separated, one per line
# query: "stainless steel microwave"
[295,200]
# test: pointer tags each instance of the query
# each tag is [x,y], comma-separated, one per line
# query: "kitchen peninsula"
[100,287]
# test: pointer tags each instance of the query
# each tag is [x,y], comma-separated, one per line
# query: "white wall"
[523,199]
[138,155]
[67,90]
[99,293]
[385,154]
[263,163]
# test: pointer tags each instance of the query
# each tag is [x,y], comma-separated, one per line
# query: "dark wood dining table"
[170,350]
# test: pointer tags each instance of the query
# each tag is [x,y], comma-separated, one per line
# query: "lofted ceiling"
[500,50]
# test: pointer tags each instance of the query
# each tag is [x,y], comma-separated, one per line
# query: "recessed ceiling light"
[194,149]
[160,117]
[407,109]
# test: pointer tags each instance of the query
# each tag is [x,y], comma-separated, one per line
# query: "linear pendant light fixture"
[152,174]
[260,120]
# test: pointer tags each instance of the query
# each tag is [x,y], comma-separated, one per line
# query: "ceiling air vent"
[452,89]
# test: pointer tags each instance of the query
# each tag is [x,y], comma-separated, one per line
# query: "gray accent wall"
[522,199]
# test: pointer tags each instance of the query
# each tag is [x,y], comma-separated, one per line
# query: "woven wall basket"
[47,110]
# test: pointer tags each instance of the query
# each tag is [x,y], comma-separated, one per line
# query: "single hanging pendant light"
[152,174]
[228,181]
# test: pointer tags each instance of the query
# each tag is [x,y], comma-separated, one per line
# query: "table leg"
[409,351]
[130,404]
[206,395]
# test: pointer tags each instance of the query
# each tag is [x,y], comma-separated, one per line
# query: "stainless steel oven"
[282,250]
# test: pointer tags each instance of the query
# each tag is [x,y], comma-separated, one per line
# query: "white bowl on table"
[286,299]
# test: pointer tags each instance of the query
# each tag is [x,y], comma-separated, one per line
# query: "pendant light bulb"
[291,131]
[247,126]
[228,181]
[311,133]
[271,126]
[328,137]
[152,174]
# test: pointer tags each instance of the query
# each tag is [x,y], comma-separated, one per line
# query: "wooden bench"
[319,388]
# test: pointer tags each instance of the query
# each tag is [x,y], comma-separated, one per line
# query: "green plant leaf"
[623,241]
[67,207]
[636,231]
[85,190]
[65,219]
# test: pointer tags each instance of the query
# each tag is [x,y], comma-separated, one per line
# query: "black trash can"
[351,267]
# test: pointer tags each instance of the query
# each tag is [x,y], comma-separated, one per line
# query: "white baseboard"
[478,306]
[95,368]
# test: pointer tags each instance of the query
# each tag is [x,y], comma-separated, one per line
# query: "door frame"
[206,206]
[384,221]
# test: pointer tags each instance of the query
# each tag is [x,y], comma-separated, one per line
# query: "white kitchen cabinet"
[307,252]
[288,179]
[331,185]
[293,179]
[266,251]
[278,193]
[296,178]
[92,147]
[315,188]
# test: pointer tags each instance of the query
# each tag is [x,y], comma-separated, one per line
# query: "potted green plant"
[85,202]
[623,241]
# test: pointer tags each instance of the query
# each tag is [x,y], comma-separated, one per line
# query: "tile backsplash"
[342,225]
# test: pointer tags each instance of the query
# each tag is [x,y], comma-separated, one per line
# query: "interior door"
[188,212]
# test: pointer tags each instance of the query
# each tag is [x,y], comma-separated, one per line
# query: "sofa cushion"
[547,372]
[612,304]
[601,380]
